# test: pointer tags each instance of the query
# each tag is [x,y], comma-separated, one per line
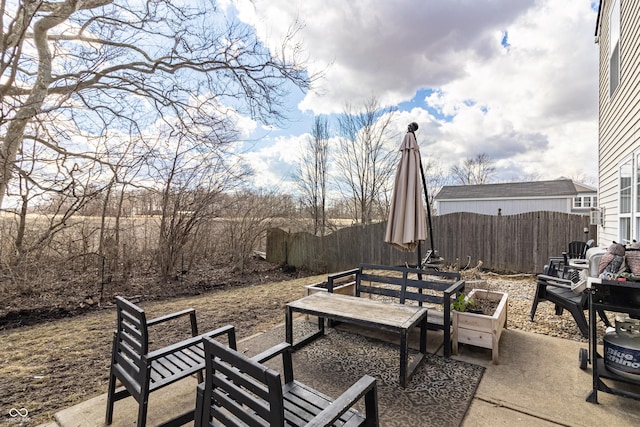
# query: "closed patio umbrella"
[406,225]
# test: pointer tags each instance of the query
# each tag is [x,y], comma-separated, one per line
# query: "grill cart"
[620,361]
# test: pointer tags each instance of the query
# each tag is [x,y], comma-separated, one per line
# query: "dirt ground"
[61,292]
[56,346]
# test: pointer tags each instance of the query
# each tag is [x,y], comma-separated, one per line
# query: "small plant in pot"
[464,304]
[477,303]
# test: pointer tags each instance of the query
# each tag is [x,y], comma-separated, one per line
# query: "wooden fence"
[509,244]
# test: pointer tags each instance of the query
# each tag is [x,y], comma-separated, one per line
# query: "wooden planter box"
[481,330]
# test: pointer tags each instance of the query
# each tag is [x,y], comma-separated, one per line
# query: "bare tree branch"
[365,160]
[474,170]
[312,175]
[116,65]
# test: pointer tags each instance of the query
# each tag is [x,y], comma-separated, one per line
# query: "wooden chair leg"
[578,315]
[142,411]
[110,398]
[371,408]
[454,335]
[144,399]
[197,418]
[534,306]
[604,318]
[446,328]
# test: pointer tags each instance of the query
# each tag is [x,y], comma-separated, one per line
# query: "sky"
[515,80]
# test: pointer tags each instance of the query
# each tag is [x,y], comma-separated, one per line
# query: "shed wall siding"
[619,115]
[508,207]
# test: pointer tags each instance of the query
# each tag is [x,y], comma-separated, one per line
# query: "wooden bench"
[408,285]
[400,314]
[238,390]
[141,371]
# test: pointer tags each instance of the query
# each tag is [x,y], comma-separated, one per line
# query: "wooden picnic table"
[387,316]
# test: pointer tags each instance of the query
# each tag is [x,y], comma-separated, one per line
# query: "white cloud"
[540,97]
[531,105]
[274,164]
[388,48]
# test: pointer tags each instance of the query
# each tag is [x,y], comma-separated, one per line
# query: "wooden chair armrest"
[283,349]
[543,279]
[343,273]
[332,277]
[191,312]
[342,404]
[454,289]
[228,329]
[269,354]
[161,319]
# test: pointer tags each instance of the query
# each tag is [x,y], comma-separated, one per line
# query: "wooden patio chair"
[577,250]
[141,371]
[556,285]
[238,390]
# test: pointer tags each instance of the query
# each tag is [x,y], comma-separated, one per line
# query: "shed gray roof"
[559,187]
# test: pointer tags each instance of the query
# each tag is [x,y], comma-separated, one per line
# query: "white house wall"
[619,117]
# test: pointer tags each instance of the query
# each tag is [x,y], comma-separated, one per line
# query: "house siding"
[619,116]
[513,198]
[506,206]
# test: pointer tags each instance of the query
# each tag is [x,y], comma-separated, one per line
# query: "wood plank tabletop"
[386,313]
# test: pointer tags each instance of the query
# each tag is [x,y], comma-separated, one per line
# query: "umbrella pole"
[426,196]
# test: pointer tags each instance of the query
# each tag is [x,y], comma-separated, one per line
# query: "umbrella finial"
[413,126]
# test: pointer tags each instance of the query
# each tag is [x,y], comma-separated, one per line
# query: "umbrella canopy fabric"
[406,225]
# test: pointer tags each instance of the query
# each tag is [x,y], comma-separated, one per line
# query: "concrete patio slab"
[539,381]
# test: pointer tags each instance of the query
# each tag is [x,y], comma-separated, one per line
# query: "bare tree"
[193,171]
[54,186]
[365,160]
[84,68]
[435,179]
[528,177]
[125,166]
[312,175]
[474,170]
[248,216]
[582,178]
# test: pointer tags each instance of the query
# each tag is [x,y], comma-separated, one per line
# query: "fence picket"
[515,243]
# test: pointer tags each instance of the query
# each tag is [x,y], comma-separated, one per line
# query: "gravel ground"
[521,290]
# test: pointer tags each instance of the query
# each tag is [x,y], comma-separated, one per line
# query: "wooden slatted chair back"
[242,392]
[405,284]
[132,337]
[577,250]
